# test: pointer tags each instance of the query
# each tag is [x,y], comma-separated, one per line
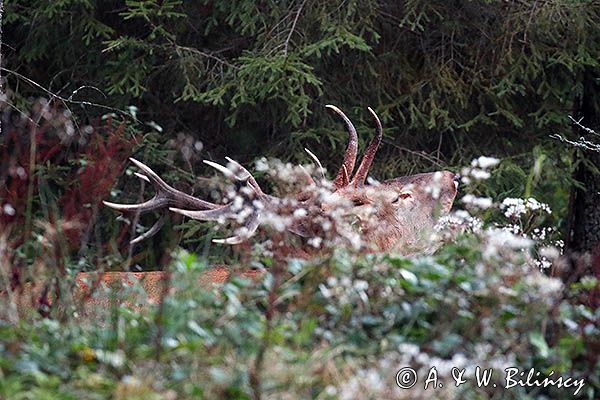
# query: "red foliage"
[50,140]
[106,156]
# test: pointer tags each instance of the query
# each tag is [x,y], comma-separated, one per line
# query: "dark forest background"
[452,80]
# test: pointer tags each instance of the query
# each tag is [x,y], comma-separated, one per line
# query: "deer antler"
[182,203]
[367,160]
[165,196]
[192,207]
[342,177]
[232,210]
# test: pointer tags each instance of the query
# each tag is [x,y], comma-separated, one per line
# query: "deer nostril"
[456,180]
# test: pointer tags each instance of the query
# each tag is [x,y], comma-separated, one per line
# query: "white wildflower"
[277,222]
[499,239]
[434,190]
[534,205]
[550,252]
[513,207]
[479,202]
[21,173]
[330,390]
[345,282]
[543,263]
[8,209]
[261,165]
[361,285]
[507,291]
[315,242]
[300,212]
[113,358]
[325,291]
[484,162]
[459,360]
[258,204]
[480,174]
[238,202]
[543,285]
[409,349]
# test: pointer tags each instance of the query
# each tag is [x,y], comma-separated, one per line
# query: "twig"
[66,100]
[585,128]
[86,87]
[1,85]
[134,222]
[203,54]
[12,313]
[583,142]
[422,154]
[289,36]
[32,164]
[17,109]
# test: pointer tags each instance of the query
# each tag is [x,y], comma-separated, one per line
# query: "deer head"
[394,214]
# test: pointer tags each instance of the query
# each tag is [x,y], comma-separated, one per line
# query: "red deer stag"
[393,215]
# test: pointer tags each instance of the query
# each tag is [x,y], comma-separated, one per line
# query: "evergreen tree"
[451,80]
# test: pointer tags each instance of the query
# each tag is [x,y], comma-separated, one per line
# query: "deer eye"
[401,196]
[358,202]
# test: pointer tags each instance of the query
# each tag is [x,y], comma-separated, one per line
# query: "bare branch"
[289,36]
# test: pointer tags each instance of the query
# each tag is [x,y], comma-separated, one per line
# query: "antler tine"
[367,160]
[316,159]
[235,171]
[351,150]
[151,175]
[224,170]
[142,177]
[241,174]
[153,204]
[249,227]
[206,215]
[151,232]
[247,176]
[165,195]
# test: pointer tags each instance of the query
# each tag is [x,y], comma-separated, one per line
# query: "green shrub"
[340,327]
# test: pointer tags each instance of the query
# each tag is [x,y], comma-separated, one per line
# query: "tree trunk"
[584,220]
